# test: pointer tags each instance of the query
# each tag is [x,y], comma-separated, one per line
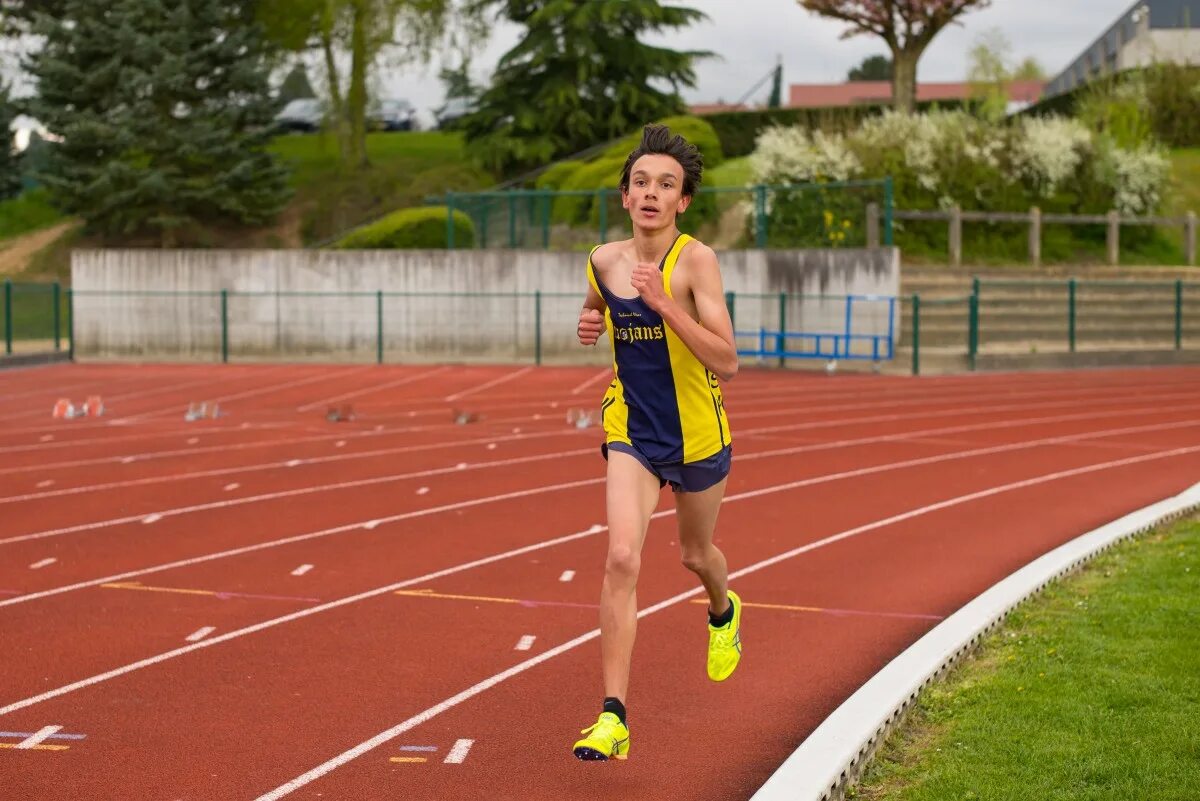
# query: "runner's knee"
[623,562]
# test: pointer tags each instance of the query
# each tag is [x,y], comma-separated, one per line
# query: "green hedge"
[415,228]
[737,130]
[698,131]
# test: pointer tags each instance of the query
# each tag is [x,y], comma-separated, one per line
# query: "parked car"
[453,110]
[391,114]
[305,114]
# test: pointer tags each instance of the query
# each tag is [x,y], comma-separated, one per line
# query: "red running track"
[271,605]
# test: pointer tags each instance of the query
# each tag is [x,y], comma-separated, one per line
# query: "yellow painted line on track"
[137,585]
[36,747]
[407,759]
[788,608]
[432,594]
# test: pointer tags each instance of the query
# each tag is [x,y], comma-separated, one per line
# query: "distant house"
[700,109]
[1150,31]
[855,93]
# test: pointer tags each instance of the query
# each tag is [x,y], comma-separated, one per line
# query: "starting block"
[64,409]
[340,414]
[580,418]
[199,410]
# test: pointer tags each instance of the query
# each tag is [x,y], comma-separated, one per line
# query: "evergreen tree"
[165,112]
[579,76]
[10,160]
[872,68]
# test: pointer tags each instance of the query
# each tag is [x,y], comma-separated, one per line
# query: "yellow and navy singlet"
[662,400]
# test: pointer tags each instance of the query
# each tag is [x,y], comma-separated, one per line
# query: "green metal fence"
[517,327]
[834,214]
[1068,315]
[35,317]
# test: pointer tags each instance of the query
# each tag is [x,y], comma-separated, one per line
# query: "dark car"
[305,114]
[392,114]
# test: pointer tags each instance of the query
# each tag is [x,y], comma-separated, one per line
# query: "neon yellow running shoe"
[608,738]
[725,643]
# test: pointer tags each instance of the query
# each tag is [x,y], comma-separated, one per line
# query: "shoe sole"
[592,755]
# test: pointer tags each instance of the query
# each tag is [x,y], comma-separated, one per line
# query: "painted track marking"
[520,668]
[200,634]
[36,739]
[492,681]
[458,754]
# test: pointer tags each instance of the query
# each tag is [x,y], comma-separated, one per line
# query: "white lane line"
[458,754]
[525,643]
[520,460]
[38,737]
[200,634]
[300,571]
[828,477]
[293,463]
[43,563]
[309,536]
[841,421]
[488,683]
[494,382]
[598,377]
[523,666]
[250,393]
[567,575]
[153,518]
[378,387]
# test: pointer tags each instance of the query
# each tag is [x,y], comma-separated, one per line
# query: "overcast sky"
[748,35]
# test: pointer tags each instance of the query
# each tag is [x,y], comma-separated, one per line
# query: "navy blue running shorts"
[691,477]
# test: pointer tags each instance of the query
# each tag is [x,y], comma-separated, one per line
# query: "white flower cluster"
[789,155]
[1048,150]
[1137,178]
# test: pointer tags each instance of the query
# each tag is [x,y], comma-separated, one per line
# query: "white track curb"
[835,754]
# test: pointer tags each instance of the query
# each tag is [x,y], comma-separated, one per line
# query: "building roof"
[715,108]
[814,95]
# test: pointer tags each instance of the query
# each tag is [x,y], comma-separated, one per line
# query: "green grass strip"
[1089,692]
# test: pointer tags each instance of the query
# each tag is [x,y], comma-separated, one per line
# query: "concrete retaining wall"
[435,305]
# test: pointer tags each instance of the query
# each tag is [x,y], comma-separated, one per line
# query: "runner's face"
[655,194]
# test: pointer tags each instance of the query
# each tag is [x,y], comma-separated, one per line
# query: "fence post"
[760,216]
[781,340]
[70,324]
[1114,237]
[730,304]
[450,221]
[8,320]
[1035,236]
[537,326]
[1071,314]
[546,202]
[224,326]
[872,225]
[916,334]
[1178,314]
[379,326]
[973,331]
[603,217]
[512,220]
[956,236]
[57,316]
[888,204]
[1189,238]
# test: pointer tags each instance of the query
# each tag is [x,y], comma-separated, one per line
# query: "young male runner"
[659,297]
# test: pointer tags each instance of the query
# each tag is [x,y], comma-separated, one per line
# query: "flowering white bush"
[947,158]
[1047,151]
[788,155]
[1136,176]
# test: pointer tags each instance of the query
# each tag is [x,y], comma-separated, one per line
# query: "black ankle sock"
[723,619]
[615,706]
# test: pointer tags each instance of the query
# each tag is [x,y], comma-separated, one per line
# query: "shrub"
[554,175]
[694,129]
[423,227]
